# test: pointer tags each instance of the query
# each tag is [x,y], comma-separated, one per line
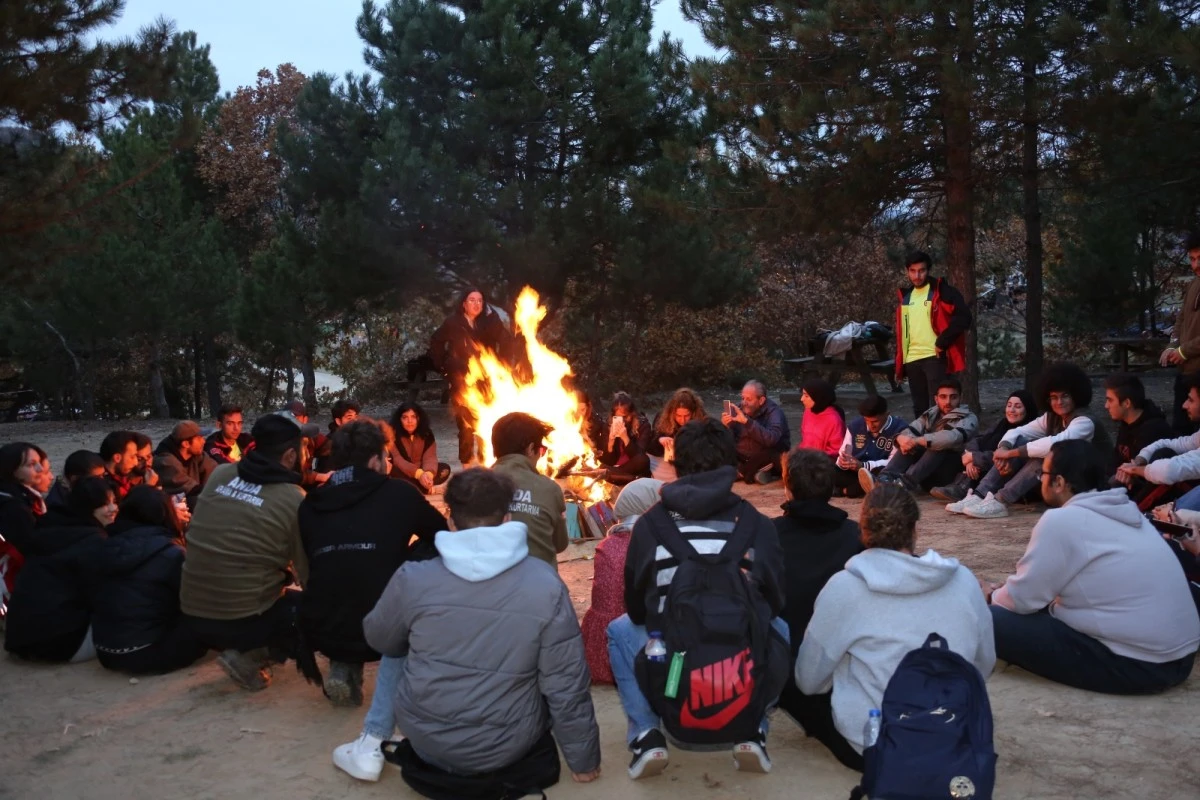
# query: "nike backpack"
[724,662]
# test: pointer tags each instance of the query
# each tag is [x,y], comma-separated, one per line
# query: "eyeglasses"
[1043,474]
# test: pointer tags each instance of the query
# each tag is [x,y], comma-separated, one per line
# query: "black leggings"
[814,713]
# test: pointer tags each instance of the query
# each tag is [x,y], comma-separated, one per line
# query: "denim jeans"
[1013,487]
[625,641]
[1190,501]
[381,716]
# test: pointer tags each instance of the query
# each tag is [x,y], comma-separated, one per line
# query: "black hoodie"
[705,507]
[51,606]
[817,539]
[1133,437]
[356,531]
[138,572]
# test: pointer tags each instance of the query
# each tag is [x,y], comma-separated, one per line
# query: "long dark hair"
[88,494]
[150,505]
[12,456]
[424,429]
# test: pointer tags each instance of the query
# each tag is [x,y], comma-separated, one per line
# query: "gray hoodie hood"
[478,554]
[893,572]
[1111,503]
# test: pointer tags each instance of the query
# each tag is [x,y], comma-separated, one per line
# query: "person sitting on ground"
[119,451]
[181,463]
[883,605]
[414,454]
[227,444]
[537,501]
[760,430]
[1098,602]
[482,618]
[818,539]
[608,581]
[627,440]
[870,440]
[136,623]
[244,551]
[930,449]
[1019,410]
[357,529]
[1065,391]
[683,407]
[310,439]
[143,474]
[822,427]
[50,612]
[343,412]
[80,464]
[1140,423]
[1173,462]
[708,514]
[20,508]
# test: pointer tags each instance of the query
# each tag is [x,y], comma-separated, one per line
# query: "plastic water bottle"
[871,729]
[656,648]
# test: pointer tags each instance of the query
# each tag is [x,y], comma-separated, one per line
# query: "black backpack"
[936,735]
[716,620]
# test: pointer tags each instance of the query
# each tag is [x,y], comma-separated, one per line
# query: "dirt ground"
[79,731]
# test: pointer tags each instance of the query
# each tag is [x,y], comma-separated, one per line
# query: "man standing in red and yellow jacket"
[932,319]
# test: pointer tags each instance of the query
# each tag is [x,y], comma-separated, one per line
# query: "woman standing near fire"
[471,327]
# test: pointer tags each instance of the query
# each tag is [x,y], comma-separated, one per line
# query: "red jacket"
[950,317]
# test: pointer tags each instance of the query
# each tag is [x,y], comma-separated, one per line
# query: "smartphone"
[729,409]
[1172,529]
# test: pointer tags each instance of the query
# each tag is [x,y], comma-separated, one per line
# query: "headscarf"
[822,393]
[636,499]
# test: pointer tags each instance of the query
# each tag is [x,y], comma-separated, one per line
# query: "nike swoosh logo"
[719,720]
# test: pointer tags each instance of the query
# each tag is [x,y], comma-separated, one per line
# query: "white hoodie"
[1105,571]
[871,614]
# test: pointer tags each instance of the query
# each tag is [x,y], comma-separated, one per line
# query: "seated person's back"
[537,500]
[884,604]
[493,653]
[356,529]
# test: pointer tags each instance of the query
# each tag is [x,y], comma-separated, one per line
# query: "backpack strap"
[936,642]
[666,531]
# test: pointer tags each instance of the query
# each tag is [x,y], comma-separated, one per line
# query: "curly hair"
[683,398]
[424,428]
[1064,377]
[889,517]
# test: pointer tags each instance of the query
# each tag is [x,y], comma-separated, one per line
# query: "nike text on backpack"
[728,662]
[936,737]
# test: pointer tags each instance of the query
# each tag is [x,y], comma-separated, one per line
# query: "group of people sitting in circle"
[291,542]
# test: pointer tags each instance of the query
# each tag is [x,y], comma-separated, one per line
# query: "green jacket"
[243,538]
[539,503]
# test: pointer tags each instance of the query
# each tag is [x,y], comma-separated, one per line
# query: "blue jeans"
[625,641]
[1190,501]
[381,716]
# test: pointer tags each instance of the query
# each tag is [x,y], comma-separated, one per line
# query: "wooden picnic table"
[855,359]
[1151,346]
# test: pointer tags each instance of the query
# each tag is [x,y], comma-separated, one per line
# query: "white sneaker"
[361,758]
[987,508]
[962,505]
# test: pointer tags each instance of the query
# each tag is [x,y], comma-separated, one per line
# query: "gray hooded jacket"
[494,654]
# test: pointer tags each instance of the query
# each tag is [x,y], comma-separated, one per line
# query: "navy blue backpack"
[936,737]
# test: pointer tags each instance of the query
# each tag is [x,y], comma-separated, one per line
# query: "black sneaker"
[751,756]
[650,755]
[953,493]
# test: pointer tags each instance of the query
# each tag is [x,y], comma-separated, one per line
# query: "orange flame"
[493,390]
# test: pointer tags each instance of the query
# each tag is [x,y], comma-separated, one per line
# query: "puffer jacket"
[51,606]
[494,654]
[138,572]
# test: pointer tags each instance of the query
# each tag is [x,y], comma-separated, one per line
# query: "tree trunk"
[212,374]
[959,181]
[1034,354]
[197,378]
[291,376]
[269,390]
[158,396]
[308,357]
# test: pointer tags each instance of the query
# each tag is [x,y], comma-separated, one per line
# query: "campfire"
[492,389]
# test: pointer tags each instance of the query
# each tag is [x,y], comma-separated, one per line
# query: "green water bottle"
[673,675]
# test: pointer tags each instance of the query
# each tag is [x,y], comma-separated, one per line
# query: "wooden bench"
[801,368]
[414,388]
